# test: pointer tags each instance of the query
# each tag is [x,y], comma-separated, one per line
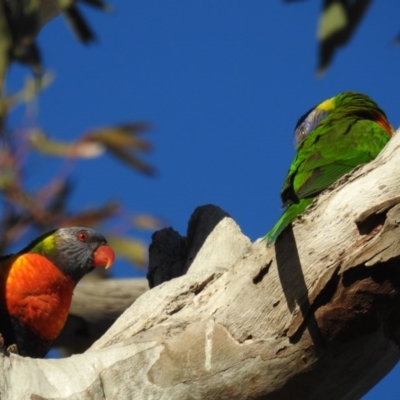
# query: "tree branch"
[315,316]
[95,307]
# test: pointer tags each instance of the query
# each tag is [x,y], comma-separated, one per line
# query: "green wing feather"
[329,154]
[339,143]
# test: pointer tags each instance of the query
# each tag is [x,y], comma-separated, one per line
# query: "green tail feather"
[289,215]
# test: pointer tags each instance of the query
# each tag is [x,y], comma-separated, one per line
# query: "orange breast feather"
[38,293]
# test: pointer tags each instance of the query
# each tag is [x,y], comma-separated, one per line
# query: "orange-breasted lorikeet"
[36,285]
[331,139]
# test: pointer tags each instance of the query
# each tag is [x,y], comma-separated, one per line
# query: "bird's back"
[334,149]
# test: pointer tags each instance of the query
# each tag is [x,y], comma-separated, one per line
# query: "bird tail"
[289,215]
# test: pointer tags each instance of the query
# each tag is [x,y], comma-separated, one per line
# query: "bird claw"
[12,349]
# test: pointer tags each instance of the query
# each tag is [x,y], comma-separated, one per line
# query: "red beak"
[103,257]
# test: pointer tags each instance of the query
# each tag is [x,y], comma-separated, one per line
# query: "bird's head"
[75,250]
[341,106]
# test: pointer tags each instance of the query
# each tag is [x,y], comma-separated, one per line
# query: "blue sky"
[223,83]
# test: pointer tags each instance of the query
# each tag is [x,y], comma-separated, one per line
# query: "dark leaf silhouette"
[338,21]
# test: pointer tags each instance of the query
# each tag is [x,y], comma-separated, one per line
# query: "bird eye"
[82,236]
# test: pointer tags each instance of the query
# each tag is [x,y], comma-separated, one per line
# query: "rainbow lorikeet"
[331,139]
[36,285]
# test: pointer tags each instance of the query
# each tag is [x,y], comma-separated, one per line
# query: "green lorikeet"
[37,285]
[331,139]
